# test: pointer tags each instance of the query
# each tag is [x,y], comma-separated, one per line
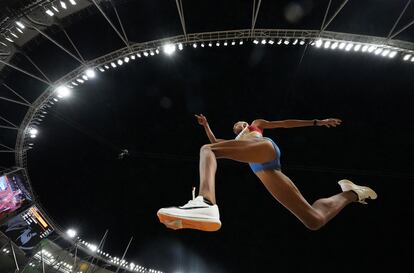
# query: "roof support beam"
[119,20]
[9,122]
[399,18]
[17,94]
[335,14]
[402,29]
[7,147]
[326,14]
[24,72]
[110,22]
[125,252]
[254,15]
[37,68]
[15,101]
[73,45]
[32,25]
[182,19]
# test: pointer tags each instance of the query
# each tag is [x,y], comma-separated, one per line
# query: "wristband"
[315,122]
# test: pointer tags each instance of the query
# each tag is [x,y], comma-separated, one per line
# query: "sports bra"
[250,131]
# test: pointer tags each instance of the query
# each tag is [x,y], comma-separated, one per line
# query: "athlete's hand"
[202,120]
[329,122]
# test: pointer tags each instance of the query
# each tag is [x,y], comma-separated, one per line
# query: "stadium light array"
[393,54]
[407,57]
[55,8]
[379,50]
[20,24]
[49,12]
[63,4]
[93,247]
[318,43]
[71,233]
[169,49]
[62,92]
[371,48]
[349,46]
[90,73]
[33,131]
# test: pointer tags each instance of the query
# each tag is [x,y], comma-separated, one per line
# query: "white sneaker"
[196,214]
[362,191]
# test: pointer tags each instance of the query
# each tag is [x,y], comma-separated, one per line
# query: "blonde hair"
[241,123]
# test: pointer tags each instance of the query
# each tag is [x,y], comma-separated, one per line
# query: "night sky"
[148,106]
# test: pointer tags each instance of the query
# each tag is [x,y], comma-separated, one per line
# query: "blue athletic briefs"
[271,165]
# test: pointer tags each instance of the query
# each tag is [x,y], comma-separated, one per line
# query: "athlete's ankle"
[207,201]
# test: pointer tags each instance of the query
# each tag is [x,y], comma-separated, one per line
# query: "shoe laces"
[192,202]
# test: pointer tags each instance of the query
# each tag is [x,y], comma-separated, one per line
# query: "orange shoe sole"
[175,222]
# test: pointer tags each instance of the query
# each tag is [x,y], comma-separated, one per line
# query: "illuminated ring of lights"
[259,36]
[230,38]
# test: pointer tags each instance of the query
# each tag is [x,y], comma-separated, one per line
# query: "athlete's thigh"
[248,151]
[285,191]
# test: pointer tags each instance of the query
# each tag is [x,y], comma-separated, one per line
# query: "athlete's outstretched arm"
[292,123]
[202,120]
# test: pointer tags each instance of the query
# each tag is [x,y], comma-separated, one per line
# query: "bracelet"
[315,121]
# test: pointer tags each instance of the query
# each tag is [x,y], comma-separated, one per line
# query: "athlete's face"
[239,126]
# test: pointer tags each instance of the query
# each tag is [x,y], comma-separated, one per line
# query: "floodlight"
[71,233]
[169,49]
[318,43]
[90,73]
[62,91]
[20,24]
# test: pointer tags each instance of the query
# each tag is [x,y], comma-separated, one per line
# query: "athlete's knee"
[315,222]
[205,148]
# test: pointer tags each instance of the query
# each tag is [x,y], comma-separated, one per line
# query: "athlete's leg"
[313,217]
[257,151]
